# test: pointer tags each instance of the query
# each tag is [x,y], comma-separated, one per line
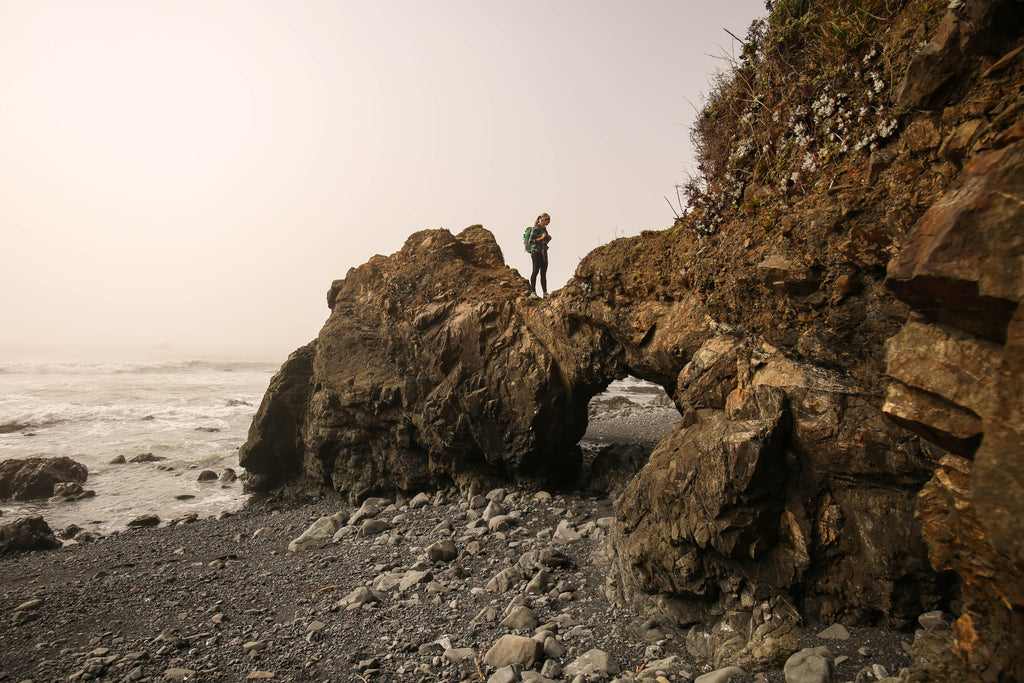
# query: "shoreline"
[225,600]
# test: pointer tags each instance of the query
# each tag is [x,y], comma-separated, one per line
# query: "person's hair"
[540,218]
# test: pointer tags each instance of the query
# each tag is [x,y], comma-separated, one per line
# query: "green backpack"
[526,240]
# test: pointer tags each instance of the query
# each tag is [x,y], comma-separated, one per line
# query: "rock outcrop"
[427,371]
[27,533]
[958,379]
[842,338]
[30,478]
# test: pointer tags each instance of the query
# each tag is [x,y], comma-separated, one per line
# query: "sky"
[187,177]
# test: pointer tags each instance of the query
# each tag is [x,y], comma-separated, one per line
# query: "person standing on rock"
[538,247]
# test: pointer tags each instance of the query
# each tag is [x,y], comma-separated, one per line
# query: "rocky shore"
[506,586]
[839,329]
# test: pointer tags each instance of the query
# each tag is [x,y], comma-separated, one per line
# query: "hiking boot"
[533,295]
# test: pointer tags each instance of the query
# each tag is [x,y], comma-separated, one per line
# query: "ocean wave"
[103,368]
[29,414]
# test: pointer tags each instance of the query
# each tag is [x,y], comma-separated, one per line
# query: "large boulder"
[425,372]
[792,488]
[27,533]
[30,478]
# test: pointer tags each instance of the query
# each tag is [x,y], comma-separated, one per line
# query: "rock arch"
[434,367]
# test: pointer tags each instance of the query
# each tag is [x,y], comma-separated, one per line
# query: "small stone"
[366,664]
[553,557]
[512,649]
[810,665]
[148,457]
[835,632]
[929,621]
[259,676]
[551,669]
[493,510]
[207,475]
[442,551]
[593,662]
[179,674]
[565,533]
[30,605]
[521,618]
[315,631]
[723,675]
[413,578]
[553,649]
[419,500]
[144,521]
[507,674]
[461,654]
[372,527]
[255,646]
[541,583]
[504,580]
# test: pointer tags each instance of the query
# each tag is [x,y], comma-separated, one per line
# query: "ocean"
[194,413]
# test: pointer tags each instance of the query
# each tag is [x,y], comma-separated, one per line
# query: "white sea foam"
[194,413]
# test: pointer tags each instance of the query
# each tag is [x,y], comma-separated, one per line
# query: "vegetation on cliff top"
[805,103]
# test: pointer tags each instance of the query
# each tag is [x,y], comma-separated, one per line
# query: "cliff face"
[837,319]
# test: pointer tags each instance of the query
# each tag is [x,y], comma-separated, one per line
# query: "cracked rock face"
[956,374]
[426,372]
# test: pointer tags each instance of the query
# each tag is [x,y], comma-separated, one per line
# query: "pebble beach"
[505,586]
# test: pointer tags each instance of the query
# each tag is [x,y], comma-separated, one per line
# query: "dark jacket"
[539,238]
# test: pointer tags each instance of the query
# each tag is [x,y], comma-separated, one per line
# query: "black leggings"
[540,265]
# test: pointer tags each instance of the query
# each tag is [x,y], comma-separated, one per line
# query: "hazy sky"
[191,175]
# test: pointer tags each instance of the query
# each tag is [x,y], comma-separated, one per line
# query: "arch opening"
[624,424]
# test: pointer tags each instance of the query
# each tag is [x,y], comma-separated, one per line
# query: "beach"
[225,599]
[400,590]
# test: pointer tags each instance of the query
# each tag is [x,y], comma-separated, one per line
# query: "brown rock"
[29,478]
[512,649]
[944,362]
[957,273]
[274,450]
[27,533]
[710,496]
[932,67]
[958,143]
[951,426]
[921,136]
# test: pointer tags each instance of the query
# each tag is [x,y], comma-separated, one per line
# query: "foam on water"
[196,414]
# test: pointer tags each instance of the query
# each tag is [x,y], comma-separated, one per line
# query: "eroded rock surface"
[957,373]
[845,352]
[28,478]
